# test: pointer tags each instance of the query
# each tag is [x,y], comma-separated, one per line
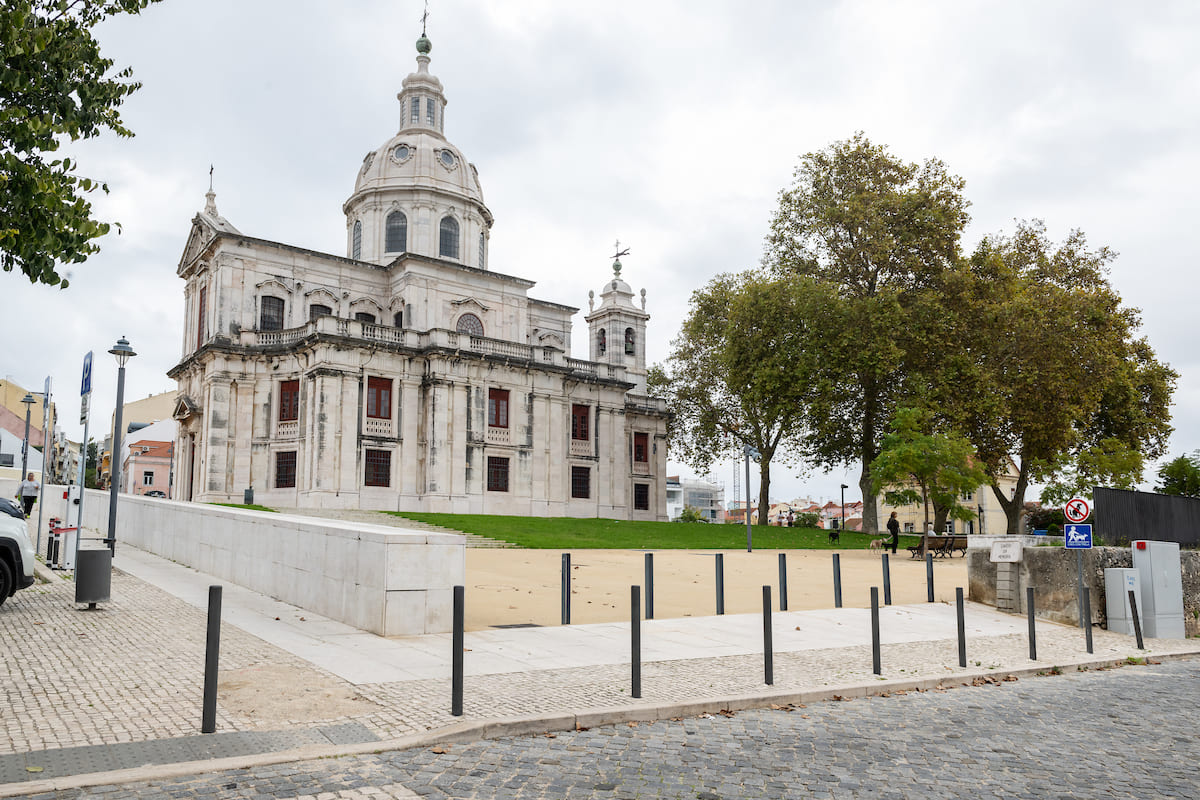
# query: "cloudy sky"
[669,125]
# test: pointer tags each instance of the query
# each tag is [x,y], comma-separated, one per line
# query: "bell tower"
[617,328]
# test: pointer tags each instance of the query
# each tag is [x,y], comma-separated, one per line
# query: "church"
[407,375]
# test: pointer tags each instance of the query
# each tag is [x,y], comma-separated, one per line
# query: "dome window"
[401,153]
[396,236]
[415,115]
[356,241]
[448,160]
[430,112]
[448,237]
[470,324]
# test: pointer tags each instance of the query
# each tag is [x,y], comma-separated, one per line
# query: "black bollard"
[635,638]
[962,628]
[566,588]
[720,583]
[875,665]
[783,581]
[649,585]
[887,581]
[1087,617]
[929,575]
[768,642]
[837,580]
[212,657]
[1137,623]
[1032,629]
[456,660]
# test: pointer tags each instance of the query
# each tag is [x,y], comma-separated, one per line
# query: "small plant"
[1056,670]
[1135,661]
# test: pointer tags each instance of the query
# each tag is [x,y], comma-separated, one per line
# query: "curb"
[533,725]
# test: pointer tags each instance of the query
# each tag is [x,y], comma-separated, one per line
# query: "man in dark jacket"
[893,526]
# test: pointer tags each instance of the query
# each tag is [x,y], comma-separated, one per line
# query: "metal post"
[114,472]
[45,428]
[837,580]
[456,660]
[749,529]
[566,588]
[29,401]
[82,483]
[212,655]
[1087,616]
[1137,623]
[783,581]
[1032,629]
[875,665]
[635,639]
[962,628]
[649,585]
[768,646]
[1079,586]
[720,583]
[887,581]
[929,575]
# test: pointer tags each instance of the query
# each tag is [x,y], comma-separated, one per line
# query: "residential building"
[147,467]
[707,497]
[989,515]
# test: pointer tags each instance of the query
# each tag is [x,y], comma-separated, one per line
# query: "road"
[1127,732]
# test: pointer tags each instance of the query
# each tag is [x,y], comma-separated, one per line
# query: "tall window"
[285,470]
[147,477]
[641,449]
[415,116]
[469,323]
[318,310]
[363,316]
[398,319]
[581,482]
[270,316]
[356,241]
[379,398]
[377,469]
[497,474]
[601,341]
[448,238]
[580,415]
[395,233]
[641,497]
[430,112]
[289,401]
[629,341]
[497,408]
[201,313]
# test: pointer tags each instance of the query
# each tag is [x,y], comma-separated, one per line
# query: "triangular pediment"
[197,241]
[185,408]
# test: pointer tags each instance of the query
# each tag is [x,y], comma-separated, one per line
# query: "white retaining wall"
[375,577]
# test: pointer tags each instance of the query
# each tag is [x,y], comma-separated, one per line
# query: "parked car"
[155,493]
[16,551]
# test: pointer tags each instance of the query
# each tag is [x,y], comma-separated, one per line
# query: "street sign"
[1077,509]
[85,386]
[1079,537]
[84,408]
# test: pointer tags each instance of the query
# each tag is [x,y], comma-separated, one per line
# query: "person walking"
[28,492]
[893,526]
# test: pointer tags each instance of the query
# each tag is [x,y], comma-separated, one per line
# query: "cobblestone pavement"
[1126,732]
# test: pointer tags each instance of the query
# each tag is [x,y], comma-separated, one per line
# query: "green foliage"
[1180,476]
[91,472]
[690,514]
[248,507]
[875,232]
[1044,517]
[807,519]
[55,86]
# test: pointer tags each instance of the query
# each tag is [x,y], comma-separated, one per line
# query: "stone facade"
[407,375]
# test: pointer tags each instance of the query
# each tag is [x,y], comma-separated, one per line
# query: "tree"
[917,465]
[54,86]
[91,468]
[1180,476]
[732,377]
[876,231]
[1049,372]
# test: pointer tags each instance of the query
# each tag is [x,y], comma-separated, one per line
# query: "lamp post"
[750,452]
[843,523]
[122,352]
[28,400]
[980,509]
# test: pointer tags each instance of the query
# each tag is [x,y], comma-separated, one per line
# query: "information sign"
[1079,537]
[1006,551]
[85,386]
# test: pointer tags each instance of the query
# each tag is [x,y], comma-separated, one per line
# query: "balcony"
[582,447]
[641,468]
[377,427]
[498,435]
[287,430]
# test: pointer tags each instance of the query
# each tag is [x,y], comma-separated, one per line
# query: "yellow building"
[989,516]
[138,412]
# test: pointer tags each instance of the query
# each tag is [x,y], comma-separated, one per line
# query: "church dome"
[420,178]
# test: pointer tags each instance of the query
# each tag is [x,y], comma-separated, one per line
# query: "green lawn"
[252,507]
[569,533]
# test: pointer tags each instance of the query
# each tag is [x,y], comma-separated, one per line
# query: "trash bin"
[93,576]
[248,497]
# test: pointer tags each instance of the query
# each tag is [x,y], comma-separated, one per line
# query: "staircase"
[380,518]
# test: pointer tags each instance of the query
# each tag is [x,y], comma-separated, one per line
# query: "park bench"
[958,543]
[941,546]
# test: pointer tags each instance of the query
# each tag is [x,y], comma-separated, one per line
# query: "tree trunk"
[1016,504]
[764,490]
[870,515]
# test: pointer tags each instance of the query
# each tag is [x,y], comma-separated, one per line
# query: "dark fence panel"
[1123,516]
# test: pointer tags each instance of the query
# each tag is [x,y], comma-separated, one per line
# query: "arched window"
[469,323]
[448,238]
[629,341]
[356,243]
[601,342]
[318,310]
[482,251]
[270,317]
[396,237]
[365,316]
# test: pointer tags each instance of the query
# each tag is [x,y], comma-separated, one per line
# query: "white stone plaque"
[1006,551]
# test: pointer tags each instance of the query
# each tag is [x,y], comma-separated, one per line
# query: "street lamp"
[28,400]
[750,452]
[844,488]
[122,352]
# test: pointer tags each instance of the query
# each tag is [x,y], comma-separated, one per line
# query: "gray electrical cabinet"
[1117,585]
[1161,577]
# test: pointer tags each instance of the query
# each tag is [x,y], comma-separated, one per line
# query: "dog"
[879,544]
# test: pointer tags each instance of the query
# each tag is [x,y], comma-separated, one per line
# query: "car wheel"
[6,581]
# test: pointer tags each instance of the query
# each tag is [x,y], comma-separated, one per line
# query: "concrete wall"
[378,578]
[1052,573]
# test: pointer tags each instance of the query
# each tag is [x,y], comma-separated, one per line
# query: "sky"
[669,125]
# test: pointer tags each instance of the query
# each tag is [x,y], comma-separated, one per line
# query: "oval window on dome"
[447,159]
[401,153]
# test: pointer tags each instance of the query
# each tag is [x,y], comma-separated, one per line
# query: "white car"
[16,551]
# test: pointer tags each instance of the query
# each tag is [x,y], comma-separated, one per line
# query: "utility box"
[1117,585]
[1161,577]
[93,576]
[73,495]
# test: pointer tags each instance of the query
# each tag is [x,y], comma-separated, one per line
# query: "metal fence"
[1123,516]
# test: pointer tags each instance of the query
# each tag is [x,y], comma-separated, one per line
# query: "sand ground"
[515,587]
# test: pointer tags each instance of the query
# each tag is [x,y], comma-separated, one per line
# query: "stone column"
[1008,587]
